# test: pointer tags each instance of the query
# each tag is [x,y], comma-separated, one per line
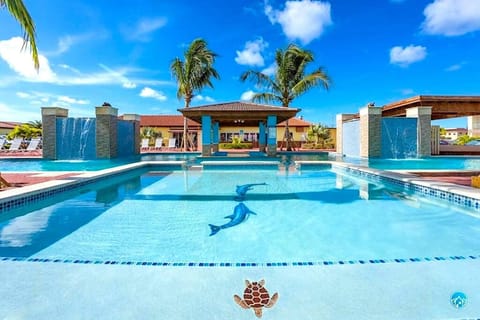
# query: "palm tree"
[35,124]
[289,81]
[20,13]
[193,74]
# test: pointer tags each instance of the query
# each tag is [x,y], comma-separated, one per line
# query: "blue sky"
[120,52]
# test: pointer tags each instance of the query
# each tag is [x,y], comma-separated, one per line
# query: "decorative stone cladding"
[370,132]
[424,131]
[49,127]
[106,132]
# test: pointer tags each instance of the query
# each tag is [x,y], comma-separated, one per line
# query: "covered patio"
[213,116]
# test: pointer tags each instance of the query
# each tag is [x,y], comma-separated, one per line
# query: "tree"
[18,10]
[35,124]
[193,74]
[320,132]
[289,81]
[25,131]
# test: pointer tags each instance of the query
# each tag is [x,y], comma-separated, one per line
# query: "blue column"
[206,135]
[215,136]
[271,135]
[262,138]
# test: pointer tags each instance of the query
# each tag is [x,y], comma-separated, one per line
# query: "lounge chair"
[2,143]
[172,143]
[34,143]
[158,144]
[16,144]
[144,146]
[3,182]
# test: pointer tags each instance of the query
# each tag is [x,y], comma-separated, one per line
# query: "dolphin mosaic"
[240,214]
[242,190]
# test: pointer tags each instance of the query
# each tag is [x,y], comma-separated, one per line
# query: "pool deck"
[415,290]
[418,289]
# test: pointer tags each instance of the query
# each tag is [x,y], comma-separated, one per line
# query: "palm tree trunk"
[289,139]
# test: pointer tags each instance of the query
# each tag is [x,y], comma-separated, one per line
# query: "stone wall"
[49,128]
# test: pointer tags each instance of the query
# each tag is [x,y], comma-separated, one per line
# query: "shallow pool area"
[428,163]
[332,240]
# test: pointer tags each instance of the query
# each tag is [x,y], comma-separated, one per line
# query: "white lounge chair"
[158,144]
[16,144]
[34,143]
[2,143]
[144,146]
[172,143]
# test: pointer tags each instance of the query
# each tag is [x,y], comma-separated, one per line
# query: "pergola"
[443,107]
[266,117]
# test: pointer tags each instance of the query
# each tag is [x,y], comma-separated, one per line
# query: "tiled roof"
[295,122]
[9,124]
[238,106]
[165,121]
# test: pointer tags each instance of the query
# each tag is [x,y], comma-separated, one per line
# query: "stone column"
[262,138]
[49,130]
[106,132]
[473,125]
[215,136]
[135,119]
[272,136]
[206,136]
[370,132]
[341,118]
[424,129]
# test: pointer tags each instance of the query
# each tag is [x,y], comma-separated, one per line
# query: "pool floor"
[417,290]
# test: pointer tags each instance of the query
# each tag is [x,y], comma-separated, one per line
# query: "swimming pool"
[430,163]
[163,216]
[326,241]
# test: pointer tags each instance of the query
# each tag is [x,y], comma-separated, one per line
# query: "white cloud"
[452,17]
[22,113]
[407,55]
[20,61]
[144,28]
[72,100]
[455,67]
[66,42]
[23,95]
[42,98]
[203,98]
[251,55]
[270,70]
[129,85]
[150,93]
[305,20]
[247,95]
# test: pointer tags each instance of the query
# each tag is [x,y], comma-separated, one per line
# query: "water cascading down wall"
[103,137]
[369,135]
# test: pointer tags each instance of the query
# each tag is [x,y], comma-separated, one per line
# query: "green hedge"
[241,145]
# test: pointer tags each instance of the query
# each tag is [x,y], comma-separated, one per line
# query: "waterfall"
[76,138]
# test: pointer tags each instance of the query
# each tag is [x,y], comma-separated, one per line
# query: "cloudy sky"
[120,52]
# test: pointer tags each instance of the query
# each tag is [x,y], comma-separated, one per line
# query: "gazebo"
[212,116]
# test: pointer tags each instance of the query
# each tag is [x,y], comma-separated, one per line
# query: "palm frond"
[18,10]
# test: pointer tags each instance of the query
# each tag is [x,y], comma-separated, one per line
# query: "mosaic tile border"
[39,195]
[241,264]
[409,187]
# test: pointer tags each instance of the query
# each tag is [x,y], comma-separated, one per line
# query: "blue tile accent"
[239,264]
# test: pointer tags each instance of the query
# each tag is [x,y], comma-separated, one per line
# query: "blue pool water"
[430,163]
[18,164]
[309,216]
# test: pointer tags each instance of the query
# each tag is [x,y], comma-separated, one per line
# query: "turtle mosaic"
[255,296]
